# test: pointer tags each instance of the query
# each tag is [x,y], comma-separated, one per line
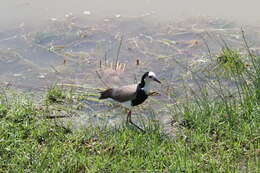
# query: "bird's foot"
[129,120]
[136,126]
[139,128]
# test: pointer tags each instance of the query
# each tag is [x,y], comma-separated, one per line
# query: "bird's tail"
[105,94]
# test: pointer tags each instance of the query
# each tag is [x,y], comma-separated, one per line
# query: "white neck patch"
[147,87]
[147,81]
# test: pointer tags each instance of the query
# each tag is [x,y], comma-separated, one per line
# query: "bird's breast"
[141,96]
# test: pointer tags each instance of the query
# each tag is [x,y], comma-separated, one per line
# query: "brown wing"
[124,93]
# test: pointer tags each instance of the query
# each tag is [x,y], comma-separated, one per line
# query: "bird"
[131,95]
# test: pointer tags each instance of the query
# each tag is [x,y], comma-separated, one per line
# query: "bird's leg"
[137,126]
[129,120]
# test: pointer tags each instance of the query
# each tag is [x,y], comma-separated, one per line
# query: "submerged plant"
[230,61]
[55,94]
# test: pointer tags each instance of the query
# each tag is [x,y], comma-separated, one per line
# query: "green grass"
[57,94]
[230,60]
[215,134]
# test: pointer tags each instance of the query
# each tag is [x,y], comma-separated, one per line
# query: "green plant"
[230,61]
[57,94]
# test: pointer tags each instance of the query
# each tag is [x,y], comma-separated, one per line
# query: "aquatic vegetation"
[214,118]
[230,61]
[215,134]
[55,94]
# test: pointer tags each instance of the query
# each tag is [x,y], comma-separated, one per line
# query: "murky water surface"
[78,50]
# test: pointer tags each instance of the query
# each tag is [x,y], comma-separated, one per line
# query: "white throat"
[147,87]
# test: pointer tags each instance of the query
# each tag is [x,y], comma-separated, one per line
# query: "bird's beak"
[156,80]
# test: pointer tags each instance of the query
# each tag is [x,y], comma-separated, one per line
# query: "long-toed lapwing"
[131,95]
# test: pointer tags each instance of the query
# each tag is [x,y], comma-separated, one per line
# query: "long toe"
[137,127]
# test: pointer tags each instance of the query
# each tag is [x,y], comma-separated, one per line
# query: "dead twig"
[100,78]
[55,116]
[118,51]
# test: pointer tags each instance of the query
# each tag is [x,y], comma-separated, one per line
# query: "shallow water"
[73,49]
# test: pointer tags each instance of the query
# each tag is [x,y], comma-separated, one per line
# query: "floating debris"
[87,12]
[42,76]
[69,14]
[17,74]
[118,15]
[107,20]
[137,62]
[53,19]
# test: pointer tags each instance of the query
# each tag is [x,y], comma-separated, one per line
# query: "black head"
[147,78]
[145,75]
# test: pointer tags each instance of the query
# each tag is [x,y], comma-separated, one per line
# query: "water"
[70,47]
